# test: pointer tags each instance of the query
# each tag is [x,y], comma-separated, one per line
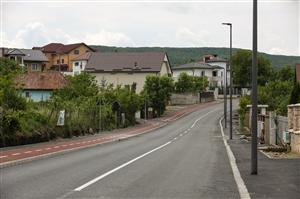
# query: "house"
[215,60]
[298,72]
[38,86]
[60,55]
[32,60]
[123,68]
[200,69]
[79,63]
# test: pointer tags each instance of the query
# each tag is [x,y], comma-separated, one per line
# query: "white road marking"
[4,156]
[38,150]
[243,191]
[119,167]
[64,145]
[28,152]
[16,154]
[56,147]
[135,159]
[47,148]
[71,144]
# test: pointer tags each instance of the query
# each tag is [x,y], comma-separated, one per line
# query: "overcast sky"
[167,24]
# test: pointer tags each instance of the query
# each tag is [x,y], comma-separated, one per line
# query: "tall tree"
[241,64]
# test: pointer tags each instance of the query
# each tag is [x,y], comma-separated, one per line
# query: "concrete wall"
[184,98]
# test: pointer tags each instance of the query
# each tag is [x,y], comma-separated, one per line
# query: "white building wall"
[222,76]
[78,66]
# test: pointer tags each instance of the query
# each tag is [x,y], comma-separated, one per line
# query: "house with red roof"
[61,55]
[39,86]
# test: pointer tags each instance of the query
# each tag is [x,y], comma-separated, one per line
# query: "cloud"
[187,37]
[37,34]
[34,32]
[108,38]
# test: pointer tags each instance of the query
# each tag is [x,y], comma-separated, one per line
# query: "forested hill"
[183,55]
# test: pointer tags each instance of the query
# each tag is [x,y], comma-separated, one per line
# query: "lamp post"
[254,94]
[230,73]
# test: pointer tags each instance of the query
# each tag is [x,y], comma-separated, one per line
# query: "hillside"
[183,55]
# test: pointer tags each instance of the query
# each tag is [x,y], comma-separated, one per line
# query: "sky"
[167,23]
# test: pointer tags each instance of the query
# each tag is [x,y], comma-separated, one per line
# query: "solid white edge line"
[119,167]
[243,191]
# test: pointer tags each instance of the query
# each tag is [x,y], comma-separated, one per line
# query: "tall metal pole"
[225,97]
[230,91]
[254,94]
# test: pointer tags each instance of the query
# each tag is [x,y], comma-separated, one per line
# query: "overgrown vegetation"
[276,88]
[187,83]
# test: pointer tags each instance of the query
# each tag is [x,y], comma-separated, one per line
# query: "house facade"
[215,60]
[201,69]
[31,60]
[79,63]
[127,68]
[60,56]
[39,86]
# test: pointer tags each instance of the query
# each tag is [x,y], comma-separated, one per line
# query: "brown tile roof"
[126,61]
[298,72]
[60,48]
[49,80]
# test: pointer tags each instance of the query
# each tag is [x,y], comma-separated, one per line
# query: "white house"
[214,60]
[124,68]
[79,63]
[200,69]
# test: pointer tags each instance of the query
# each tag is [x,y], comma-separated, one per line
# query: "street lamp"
[254,94]
[230,70]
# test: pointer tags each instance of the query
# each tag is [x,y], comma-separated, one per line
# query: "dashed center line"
[47,148]
[38,150]
[16,154]
[28,152]
[56,147]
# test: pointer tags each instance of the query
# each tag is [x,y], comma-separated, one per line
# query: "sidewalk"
[16,155]
[277,178]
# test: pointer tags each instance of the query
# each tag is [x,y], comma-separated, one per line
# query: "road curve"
[185,159]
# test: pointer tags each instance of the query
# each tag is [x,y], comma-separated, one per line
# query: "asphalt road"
[185,159]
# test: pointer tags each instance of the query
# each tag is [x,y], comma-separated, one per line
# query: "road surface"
[185,159]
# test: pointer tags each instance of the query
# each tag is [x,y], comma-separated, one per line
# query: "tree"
[275,94]
[157,91]
[286,73]
[187,83]
[295,94]
[242,64]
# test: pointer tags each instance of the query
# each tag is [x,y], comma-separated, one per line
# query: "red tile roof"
[298,72]
[49,80]
[60,48]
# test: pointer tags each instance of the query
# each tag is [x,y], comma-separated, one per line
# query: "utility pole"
[254,94]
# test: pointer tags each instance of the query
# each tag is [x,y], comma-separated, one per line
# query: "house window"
[87,51]
[76,64]
[34,67]
[76,52]
[215,73]
[221,73]
[62,61]
[81,66]
[27,94]
[202,73]
[57,61]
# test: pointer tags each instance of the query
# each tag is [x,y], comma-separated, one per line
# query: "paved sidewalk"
[15,155]
[277,178]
